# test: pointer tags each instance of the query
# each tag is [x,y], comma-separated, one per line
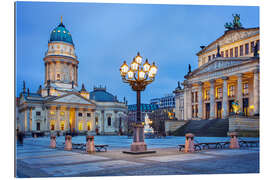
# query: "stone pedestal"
[138,139]
[234,140]
[189,145]
[68,143]
[90,146]
[138,146]
[53,141]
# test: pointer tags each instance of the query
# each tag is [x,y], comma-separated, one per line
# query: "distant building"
[179,102]
[166,102]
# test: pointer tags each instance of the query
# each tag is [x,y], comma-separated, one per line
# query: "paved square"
[42,154]
[180,157]
[88,167]
[77,158]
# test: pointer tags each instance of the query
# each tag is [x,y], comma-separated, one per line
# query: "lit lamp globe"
[146,66]
[130,74]
[134,65]
[124,69]
[138,58]
[141,74]
[153,69]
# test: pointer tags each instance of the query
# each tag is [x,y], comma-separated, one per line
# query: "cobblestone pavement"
[33,160]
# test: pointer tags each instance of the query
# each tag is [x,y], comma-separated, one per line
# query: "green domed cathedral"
[59,105]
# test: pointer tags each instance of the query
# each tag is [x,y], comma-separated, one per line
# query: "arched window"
[88,126]
[109,120]
[52,125]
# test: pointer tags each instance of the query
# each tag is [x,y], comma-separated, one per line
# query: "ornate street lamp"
[138,76]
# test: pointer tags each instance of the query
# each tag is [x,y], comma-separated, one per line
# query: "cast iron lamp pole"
[138,77]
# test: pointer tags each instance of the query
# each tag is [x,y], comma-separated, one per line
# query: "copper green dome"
[60,33]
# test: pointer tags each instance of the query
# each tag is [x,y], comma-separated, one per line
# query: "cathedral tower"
[61,64]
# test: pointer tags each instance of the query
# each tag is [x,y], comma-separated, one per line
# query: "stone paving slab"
[77,158]
[69,170]
[180,157]
[45,154]
[33,150]
[230,152]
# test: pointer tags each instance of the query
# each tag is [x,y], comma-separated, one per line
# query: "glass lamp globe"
[130,74]
[141,74]
[146,66]
[153,69]
[134,65]
[138,58]
[124,69]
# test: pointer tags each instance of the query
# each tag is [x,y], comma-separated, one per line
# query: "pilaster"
[239,92]
[212,99]
[200,100]
[256,91]
[225,97]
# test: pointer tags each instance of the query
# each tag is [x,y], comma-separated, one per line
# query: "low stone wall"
[246,126]
[172,125]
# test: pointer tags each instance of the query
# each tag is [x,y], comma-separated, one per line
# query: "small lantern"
[130,74]
[138,58]
[134,65]
[141,74]
[124,69]
[153,69]
[146,66]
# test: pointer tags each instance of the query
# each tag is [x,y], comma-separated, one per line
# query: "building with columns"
[59,105]
[227,73]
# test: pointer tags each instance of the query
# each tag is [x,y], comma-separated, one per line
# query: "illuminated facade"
[228,72]
[59,105]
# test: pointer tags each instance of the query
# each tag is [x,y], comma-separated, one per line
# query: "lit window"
[80,126]
[58,31]
[207,94]
[88,126]
[52,124]
[231,91]
[62,113]
[62,125]
[245,89]
[96,119]
[219,92]
[52,112]
[64,31]
[58,77]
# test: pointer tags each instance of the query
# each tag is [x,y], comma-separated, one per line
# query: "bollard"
[90,146]
[53,141]
[68,143]
[189,145]
[234,144]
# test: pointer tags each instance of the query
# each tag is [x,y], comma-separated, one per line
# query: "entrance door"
[245,106]
[219,109]
[207,110]
[231,106]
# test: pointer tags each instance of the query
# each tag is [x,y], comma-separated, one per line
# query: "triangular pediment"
[218,64]
[230,37]
[72,99]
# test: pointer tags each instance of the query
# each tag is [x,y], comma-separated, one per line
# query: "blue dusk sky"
[107,34]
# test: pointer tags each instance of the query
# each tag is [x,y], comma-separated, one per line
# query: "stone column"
[76,119]
[225,97]
[102,121]
[200,100]
[67,127]
[187,102]
[256,91]
[212,99]
[239,92]
[57,127]
[28,119]
[54,71]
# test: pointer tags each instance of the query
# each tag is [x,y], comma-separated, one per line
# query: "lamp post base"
[138,146]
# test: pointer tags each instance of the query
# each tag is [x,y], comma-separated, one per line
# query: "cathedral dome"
[60,33]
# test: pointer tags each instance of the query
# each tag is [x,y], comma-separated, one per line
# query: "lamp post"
[138,76]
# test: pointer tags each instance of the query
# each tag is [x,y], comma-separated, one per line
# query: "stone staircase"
[214,128]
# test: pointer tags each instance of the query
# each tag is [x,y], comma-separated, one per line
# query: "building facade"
[179,102]
[228,73]
[59,105]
